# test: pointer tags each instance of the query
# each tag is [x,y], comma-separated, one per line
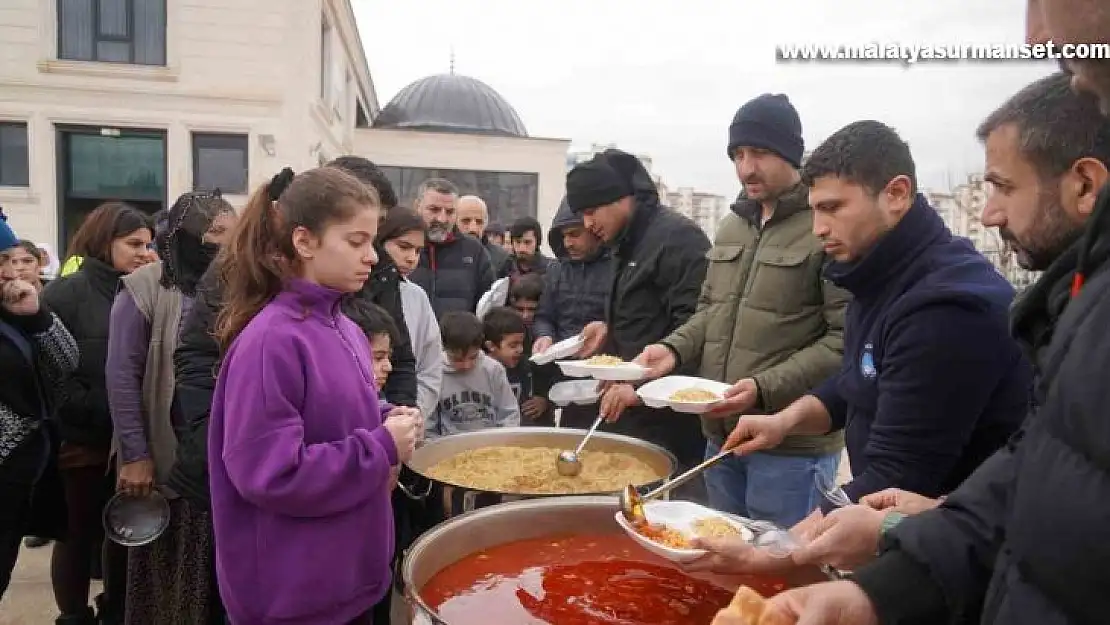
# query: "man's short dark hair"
[524,225]
[527,287]
[439,185]
[867,153]
[1056,126]
[370,318]
[501,321]
[368,173]
[461,331]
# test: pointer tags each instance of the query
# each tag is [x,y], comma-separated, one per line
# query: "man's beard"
[1050,234]
[437,233]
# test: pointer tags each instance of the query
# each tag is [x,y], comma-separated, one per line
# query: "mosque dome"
[451,103]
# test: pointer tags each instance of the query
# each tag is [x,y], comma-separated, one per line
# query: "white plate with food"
[563,349]
[673,525]
[574,392]
[683,393]
[608,368]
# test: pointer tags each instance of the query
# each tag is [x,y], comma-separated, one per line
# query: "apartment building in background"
[141,100]
[961,207]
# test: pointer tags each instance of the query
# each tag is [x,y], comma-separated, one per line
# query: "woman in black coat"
[114,240]
[36,354]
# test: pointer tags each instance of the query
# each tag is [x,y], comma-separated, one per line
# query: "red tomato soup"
[582,579]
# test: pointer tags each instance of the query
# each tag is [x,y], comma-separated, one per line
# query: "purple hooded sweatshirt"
[299,467]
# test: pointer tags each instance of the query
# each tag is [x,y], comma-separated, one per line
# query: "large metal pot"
[449,500]
[478,530]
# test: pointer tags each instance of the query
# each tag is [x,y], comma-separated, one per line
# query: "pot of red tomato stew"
[559,561]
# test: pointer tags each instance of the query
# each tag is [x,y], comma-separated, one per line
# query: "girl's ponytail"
[250,265]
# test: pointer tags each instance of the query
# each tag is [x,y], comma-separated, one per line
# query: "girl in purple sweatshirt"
[300,448]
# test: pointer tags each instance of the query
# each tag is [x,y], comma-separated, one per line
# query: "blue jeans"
[761,486]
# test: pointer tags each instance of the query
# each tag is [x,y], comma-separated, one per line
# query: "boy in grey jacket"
[475,392]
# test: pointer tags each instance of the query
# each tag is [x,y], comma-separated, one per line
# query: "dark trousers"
[87,490]
[15,513]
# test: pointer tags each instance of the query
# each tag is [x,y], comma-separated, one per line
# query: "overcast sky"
[667,80]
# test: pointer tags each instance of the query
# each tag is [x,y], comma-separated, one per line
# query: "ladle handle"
[688,475]
[589,433]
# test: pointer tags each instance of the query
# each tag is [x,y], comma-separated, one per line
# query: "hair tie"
[280,182]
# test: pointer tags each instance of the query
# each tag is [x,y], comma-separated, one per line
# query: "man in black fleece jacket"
[932,383]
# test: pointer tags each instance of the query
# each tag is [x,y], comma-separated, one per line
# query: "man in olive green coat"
[766,322]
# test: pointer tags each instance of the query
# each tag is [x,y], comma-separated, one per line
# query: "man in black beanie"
[772,328]
[659,264]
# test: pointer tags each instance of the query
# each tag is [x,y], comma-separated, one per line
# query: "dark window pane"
[13,155]
[112,21]
[122,168]
[75,29]
[149,21]
[508,195]
[220,162]
[113,51]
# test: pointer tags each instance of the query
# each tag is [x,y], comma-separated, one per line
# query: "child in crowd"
[301,450]
[380,331]
[524,297]
[505,333]
[475,393]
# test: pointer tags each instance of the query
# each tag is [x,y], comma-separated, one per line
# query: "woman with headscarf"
[169,580]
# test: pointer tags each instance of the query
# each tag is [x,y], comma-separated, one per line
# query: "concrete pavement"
[30,600]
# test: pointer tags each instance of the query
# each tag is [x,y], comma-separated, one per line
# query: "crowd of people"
[253,365]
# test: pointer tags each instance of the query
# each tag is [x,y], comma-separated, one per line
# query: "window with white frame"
[112,31]
[14,156]
[220,162]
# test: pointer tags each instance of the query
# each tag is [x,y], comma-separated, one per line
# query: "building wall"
[410,148]
[238,67]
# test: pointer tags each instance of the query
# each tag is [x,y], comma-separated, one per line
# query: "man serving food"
[658,264]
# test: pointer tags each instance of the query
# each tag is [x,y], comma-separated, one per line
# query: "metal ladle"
[569,464]
[632,502]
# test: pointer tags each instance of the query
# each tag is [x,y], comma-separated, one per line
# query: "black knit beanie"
[769,122]
[595,183]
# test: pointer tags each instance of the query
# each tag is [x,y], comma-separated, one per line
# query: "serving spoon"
[568,463]
[632,502]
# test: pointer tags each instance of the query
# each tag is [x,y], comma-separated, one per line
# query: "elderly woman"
[169,580]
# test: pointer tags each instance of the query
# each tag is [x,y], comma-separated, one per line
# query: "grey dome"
[451,103]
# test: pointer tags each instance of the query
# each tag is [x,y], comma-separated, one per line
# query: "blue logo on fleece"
[867,362]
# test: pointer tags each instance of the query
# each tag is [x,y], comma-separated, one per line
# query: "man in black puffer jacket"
[455,270]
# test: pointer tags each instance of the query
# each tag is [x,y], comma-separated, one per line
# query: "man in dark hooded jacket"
[574,294]
[659,263]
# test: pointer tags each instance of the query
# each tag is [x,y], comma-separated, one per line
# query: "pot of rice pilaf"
[464,472]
